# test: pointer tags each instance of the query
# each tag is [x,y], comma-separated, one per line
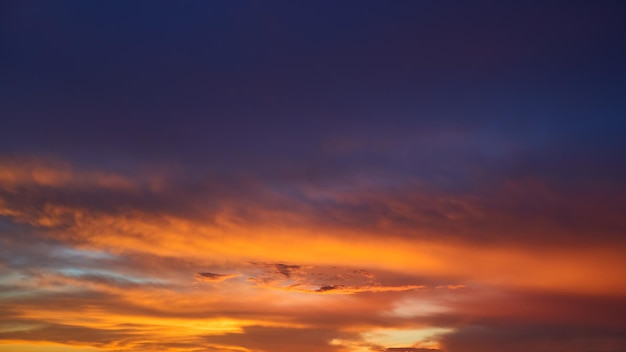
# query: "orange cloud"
[136,281]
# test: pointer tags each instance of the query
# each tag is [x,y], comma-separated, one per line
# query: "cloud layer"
[115,274]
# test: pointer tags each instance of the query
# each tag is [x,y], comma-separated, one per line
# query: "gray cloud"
[321,279]
[535,337]
[211,277]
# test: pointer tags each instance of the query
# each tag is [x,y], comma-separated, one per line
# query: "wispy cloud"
[212,277]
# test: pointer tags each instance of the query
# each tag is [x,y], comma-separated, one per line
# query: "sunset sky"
[312,176]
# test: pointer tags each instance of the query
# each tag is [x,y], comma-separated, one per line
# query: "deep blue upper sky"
[407,86]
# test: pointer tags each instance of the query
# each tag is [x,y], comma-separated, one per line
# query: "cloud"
[409,349]
[285,269]
[282,339]
[452,287]
[321,279]
[536,337]
[430,232]
[211,277]
[337,259]
[340,289]
[18,172]
[54,193]
[329,288]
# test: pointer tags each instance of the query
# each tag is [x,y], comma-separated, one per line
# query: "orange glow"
[143,280]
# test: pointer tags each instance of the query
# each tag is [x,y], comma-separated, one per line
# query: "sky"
[314,176]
